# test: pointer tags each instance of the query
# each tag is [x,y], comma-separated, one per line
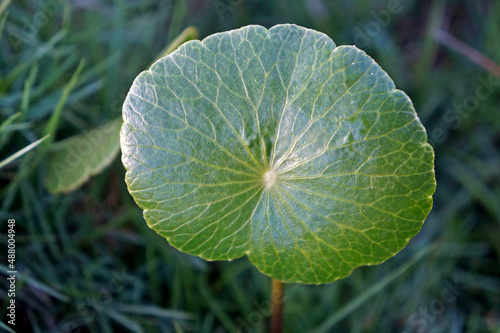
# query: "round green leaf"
[277,145]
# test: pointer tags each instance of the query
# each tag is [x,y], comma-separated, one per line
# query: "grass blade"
[149,310]
[186,35]
[38,285]
[22,152]
[3,5]
[124,321]
[6,328]
[51,127]
[373,290]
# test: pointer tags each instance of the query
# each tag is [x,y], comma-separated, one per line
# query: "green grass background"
[87,262]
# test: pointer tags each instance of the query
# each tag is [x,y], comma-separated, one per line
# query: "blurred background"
[86,260]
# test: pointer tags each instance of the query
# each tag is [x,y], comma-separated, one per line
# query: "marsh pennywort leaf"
[277,145]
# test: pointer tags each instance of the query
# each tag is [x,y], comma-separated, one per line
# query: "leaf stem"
[277,292]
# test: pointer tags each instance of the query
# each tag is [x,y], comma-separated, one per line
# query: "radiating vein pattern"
[278,145]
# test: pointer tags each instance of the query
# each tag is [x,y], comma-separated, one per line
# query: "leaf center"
[269,179]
